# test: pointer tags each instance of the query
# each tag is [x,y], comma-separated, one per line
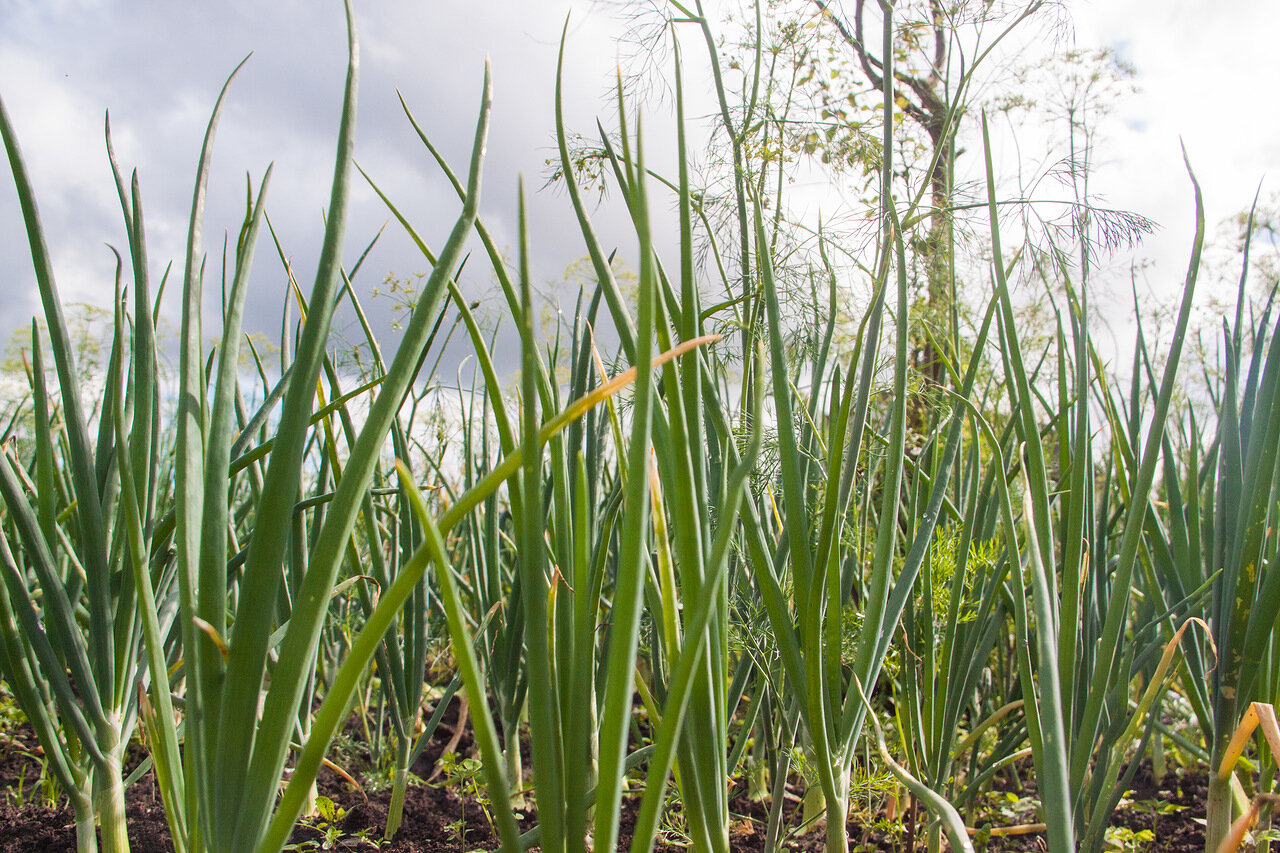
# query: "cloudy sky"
[157,66]
[1206,75]
[1206,71]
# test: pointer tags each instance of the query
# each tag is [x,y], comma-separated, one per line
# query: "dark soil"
[1173,809]
[434,814]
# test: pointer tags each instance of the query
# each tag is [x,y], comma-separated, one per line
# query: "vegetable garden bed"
[1171,811]
[722,533]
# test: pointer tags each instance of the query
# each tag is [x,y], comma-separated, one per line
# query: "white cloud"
[158,67]
[1207,73]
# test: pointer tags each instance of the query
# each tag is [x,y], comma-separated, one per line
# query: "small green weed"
[1126,840]
[465,774]
[329,824]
